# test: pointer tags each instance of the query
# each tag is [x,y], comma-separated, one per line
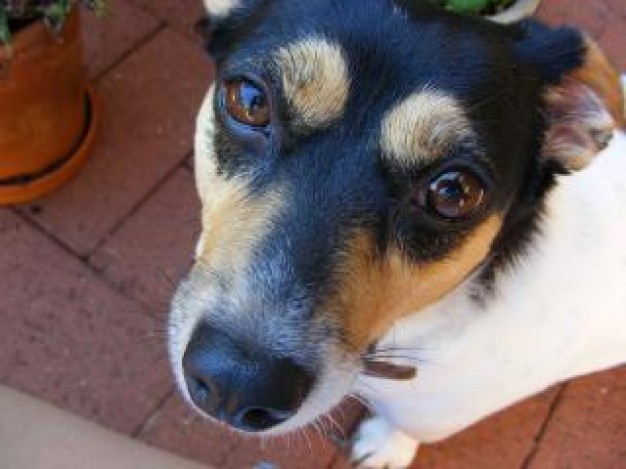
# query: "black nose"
[235,384]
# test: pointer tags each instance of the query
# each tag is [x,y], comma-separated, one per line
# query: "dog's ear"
[583,100]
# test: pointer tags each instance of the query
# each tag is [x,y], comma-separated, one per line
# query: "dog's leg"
[378,444]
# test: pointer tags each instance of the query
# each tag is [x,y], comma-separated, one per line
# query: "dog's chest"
[559,313]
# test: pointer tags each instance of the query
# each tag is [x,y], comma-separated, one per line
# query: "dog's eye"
[455,195]
[247,103]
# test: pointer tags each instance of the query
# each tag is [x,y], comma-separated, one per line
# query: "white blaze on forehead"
[315,80]
[220,8]
[423,128]
[205,167]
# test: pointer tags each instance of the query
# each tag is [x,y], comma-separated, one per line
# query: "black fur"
[336,177]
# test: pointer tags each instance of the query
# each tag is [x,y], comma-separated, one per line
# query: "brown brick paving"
[588,428]
[593,16]
[179,14]
[153,249]
[68,337]
[88,272]
[109,39]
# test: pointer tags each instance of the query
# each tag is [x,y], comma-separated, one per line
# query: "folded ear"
[582,110]
[583,102]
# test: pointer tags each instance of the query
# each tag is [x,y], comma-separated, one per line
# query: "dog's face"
[357,161]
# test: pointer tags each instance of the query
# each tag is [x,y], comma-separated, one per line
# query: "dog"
[421,209]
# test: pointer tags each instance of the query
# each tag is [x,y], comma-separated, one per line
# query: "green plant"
[14,13]
[473,6]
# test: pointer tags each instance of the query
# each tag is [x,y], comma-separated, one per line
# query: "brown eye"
[455,195]
[247,103]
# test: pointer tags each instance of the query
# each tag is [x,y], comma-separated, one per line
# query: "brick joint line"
[537,440]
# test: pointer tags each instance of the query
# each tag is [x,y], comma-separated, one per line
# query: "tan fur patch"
[423,128]
[375,293]
[599,75]
[233,224]
[220,8]
[315,80]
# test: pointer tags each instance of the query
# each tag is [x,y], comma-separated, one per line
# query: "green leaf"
[467,6]
[56,14]
[100,7]
[5,32]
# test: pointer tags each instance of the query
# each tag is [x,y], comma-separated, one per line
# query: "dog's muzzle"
[239,385]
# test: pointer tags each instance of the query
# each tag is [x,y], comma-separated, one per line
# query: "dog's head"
[357,161]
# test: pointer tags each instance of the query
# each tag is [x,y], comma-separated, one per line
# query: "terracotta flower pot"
[48,113]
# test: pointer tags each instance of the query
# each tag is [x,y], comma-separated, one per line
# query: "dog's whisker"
[388,370]
[488,100]
[395,348]
[154,334]
[316,426]
[389,358]
[308,439]
[167,276]
[341,413]
[335,427]
[362,401]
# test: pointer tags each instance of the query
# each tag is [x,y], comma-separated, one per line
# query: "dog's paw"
[378,445]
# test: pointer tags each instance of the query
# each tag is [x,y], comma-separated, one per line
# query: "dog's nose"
[232,383]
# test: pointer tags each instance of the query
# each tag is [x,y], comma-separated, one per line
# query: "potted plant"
[502,11]
[49,113]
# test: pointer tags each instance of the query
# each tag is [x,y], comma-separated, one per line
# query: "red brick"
[589,16]
[613,41]
[150,101]
[153,249]
[7,225]
[108,39]
[502,441]
[604,20]
[617,6]
[180,14]
[70,339]
[588,429]
[180,430]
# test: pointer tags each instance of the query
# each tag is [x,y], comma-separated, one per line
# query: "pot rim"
[517,11]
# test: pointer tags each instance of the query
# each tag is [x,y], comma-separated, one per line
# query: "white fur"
[379,444]
[560,313]
[220,8]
